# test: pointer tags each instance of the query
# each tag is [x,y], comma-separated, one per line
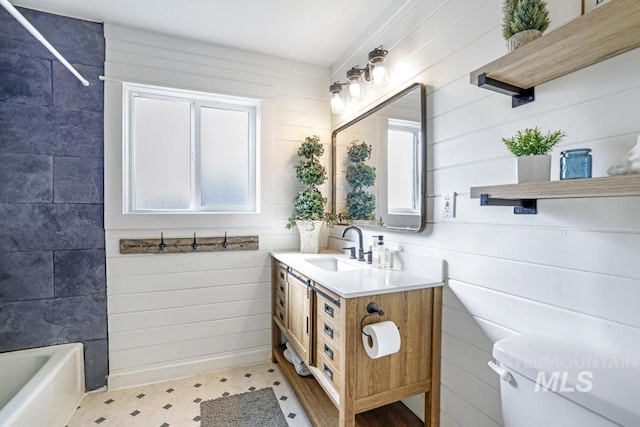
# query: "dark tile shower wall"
[52,259]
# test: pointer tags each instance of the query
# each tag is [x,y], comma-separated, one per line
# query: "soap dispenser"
[375,259]
[379,252]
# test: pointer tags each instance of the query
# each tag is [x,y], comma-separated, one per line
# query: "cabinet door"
[298,304]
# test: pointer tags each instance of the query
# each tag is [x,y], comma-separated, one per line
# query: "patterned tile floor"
[177,403]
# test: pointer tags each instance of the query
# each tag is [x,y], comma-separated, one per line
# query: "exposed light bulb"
[355,83]
[337,105]
[355,90]
[379,74]
[378,66]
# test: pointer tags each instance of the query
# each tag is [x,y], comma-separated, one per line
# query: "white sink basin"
[333,264]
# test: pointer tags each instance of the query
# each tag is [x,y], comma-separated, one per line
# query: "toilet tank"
[546,382]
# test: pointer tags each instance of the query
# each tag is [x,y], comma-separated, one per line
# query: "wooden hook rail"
[189,244]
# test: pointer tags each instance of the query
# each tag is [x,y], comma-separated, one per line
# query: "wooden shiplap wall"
[174,315]
[570,272]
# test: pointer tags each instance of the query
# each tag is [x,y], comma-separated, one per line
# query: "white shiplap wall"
[180,314]
[571,271]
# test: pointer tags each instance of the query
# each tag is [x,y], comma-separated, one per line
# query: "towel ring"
[372,310]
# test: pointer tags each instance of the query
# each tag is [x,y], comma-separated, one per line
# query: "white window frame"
[414,129]
[197,100]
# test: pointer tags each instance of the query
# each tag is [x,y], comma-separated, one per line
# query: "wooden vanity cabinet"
[299,314]
[280,292]
[292,301]
[348,383]
[328,342]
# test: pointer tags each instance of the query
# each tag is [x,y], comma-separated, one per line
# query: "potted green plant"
[523,21]
[531,148]
[361,204]
[309,204]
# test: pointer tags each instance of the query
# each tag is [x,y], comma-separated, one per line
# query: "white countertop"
[358,282]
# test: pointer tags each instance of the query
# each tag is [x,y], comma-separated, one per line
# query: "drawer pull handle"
[282,289]
[281,302]
[281,316]
[328,372]
[328,309]
[328,352]
[281,276]
[328,330]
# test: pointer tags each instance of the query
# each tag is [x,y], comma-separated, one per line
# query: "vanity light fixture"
[354,79]
[375,71]
[337,104]
[378,66]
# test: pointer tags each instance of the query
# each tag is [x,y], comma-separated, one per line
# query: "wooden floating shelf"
[524,196]
[623,185]
[607,31]
[185,245]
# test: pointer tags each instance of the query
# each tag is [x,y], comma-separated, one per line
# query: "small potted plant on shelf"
[523,21]
[361,204]
[309,203]
[531,148]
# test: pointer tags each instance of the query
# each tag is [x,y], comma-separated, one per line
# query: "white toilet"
[547,383]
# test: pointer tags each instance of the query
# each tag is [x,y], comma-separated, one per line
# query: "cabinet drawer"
[329,349]
[328,309]
[280,302]
[329,332]
[329,371]
[281,315]
[281,281]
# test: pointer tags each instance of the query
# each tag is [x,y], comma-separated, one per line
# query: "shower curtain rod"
[26,24]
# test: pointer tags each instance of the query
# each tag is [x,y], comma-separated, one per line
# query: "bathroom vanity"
[320,305]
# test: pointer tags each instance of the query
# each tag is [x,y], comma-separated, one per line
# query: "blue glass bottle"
[575,163]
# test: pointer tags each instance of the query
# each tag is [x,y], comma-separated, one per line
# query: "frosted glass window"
[189,151]
[224,149]
[161,154]
[402,167]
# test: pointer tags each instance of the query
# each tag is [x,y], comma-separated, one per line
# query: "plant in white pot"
[531,148]
[309,203]
[523,21]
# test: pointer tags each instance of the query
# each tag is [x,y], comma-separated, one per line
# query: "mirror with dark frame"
[379,165]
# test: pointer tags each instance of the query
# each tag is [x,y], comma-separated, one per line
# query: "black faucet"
[361,252]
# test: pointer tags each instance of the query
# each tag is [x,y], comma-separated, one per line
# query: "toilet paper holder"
[372,310]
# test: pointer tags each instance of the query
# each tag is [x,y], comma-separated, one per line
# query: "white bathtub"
[41,386]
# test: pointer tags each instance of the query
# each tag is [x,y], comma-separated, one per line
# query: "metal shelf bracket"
[521,206]
[519,96]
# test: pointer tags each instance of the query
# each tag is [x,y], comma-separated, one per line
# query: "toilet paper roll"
[385,339]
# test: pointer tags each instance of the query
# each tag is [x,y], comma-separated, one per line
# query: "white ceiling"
[315,32]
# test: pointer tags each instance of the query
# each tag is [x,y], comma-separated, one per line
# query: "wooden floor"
[323,413]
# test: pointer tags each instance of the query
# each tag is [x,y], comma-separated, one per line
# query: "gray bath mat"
[251,409]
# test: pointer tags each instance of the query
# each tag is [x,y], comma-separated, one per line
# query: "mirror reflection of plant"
[361,205]
[360,175]
[309,204]
[358,153]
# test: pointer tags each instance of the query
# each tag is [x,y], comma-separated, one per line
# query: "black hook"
[162,245]
[372,310]
[194,245]
[225,243]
